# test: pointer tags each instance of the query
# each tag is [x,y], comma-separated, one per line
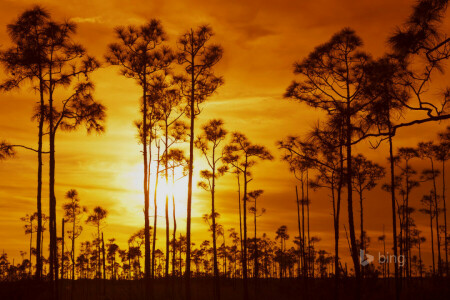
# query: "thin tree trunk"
[155,218]
[361,224]
[146,189]
[432,238]
[244,254]
[305,262]
[31,242]
[39,179]
[436,208]
[445,218]
[103,258]
[394,214]
[62,248]
[213,212]
[167,201]
[299,232]
[52,198]
[240,213]
[174,247]
[191,171]
[73,244]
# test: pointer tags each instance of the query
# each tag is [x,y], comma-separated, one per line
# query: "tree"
[428,203]
[24,61]
[243,155]
[139,53]
[333,76]
[30,229]
[208,142]
[281,234]
[72,214]
[168,100]
[256,213]
[366,174]
[427,150]
[442,152]
[199,82]
[174,159]
[97,219]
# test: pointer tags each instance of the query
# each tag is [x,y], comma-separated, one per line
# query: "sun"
[132,177]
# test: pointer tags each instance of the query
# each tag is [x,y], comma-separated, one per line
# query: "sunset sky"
[261,40]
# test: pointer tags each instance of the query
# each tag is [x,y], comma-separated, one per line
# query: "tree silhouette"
[198,58]
[24,61]
[366,173]
[333,76]
[30,228]
[174,159]
[73,212]
[97,219]
[281,234]
[427,151]
[139,54]
[209,142]
[442,153]
[243,155]
[256,213]
[428,203]
[61,61]
[167,99]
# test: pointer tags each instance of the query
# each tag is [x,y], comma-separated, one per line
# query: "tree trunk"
[445,218]
[299,232]
[155,217]
[146,191]
[73,245]
[191,170]
[52,198]
[174,247]
[351,224]
[240,213]
[62,248]
[104,258]
[39,179]
[394,214]
[244,254]
[436,208]
[432,238]
[213,212]
[167,202]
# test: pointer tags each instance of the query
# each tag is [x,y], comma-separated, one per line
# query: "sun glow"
[132,180]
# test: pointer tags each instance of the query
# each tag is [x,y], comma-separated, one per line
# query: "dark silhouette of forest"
[361,98]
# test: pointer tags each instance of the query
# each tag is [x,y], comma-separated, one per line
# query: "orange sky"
[261,40]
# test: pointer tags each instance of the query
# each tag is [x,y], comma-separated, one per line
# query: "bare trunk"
[299,232]
[213,212]
[146,191]
[39,179]
[62,248]
[155,217]
[436,209]
[445,218]
[191,170]
[394,213]
[244,254]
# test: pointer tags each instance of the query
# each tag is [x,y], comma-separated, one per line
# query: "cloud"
[97,19]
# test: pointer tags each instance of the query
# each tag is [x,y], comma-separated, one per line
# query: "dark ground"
[376,289]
